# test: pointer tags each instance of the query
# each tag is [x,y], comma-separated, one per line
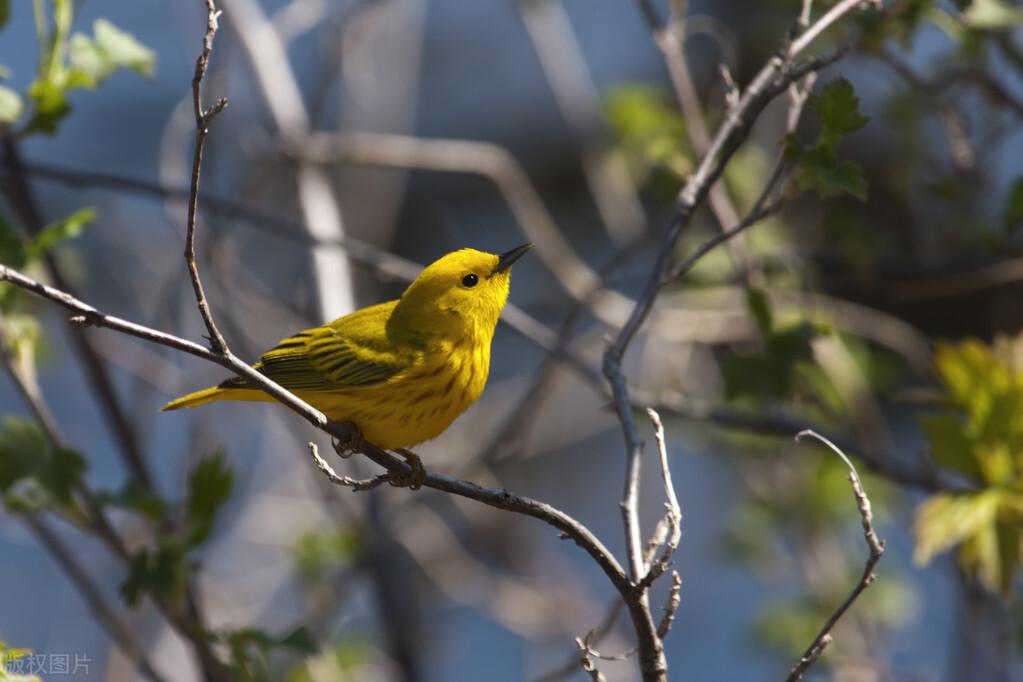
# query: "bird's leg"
[354,443]
[414,479]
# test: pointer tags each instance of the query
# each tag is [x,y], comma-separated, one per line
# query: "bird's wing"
[350,352]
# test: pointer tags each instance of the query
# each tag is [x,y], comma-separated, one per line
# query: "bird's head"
[460,294]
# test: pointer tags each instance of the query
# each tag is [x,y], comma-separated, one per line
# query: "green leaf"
[249,647]
[300,640]
[110,49]
[992,15]
[161,572]
[51,105]
[972,375]
[122,50]
[89,60]
[209,486]
[821,171]
[136,498]
[771,373]
[58,231]
[947,519]
[838,108]
[11,106]
[33,474]
[5,12]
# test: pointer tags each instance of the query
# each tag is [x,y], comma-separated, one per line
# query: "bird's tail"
[196,399]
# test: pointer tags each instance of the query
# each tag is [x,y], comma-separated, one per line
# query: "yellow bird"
[400,371]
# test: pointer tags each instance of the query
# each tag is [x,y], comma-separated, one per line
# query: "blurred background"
[878,303]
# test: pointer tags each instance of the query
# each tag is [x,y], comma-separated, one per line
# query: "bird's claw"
[354,443]
[415,478]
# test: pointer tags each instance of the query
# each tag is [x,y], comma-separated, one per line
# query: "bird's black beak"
[505,260]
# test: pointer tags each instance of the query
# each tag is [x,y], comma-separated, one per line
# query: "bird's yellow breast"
[416,405]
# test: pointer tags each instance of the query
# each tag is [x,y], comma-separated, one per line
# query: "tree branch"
[875,546]
[203,120]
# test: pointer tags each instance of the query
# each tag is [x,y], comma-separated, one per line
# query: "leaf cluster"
[67,62]
[818,166]
[34,475]
[980,438]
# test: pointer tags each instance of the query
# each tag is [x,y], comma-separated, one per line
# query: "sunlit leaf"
[121,48]
[11,105]
[946,519]
[992,14]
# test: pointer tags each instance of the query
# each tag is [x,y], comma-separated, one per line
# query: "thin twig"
[587,664]
[672,523]
[355,484]
[875,546]
[671,605]
[592,637]
[203,119]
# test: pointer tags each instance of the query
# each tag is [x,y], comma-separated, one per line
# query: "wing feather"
[351,352]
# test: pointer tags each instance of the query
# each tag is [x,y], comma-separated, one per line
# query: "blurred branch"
[278,85]
[122,634]
[669,37]
[875,545]
[578,99]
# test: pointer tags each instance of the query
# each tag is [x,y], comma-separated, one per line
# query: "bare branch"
[672,522]
[203,119]
[587,663]
[671,605]
[355,484]
[875,545]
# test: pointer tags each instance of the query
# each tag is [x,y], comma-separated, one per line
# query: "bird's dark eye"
[470,280]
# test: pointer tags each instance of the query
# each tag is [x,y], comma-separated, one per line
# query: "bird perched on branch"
[400,371]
